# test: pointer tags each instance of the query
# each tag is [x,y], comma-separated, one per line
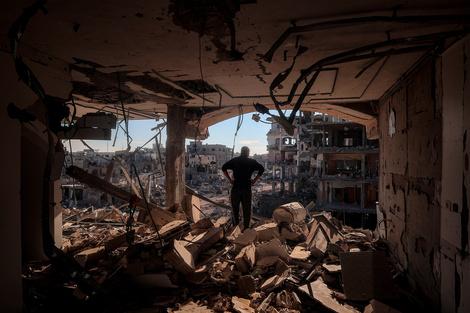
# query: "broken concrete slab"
[367,275]
[266,231]
[267,261]
[248,237]
[178,256]
[90,256]
[274,282]
[379,307]
[293,212]
[119,241]
[204,223]
[300,253]
[320,292]
[246,258]
[266,303]
[322,232]
[246,285]
[332,268]
[241,305]
[204,241]
[191,307]
[273,247]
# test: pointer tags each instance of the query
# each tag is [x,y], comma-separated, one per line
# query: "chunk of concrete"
[367,275]
[178,256]
[266,231]
[320,292]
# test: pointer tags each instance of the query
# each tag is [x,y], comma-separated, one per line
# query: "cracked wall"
[410,178]
[454,81]
[424,182]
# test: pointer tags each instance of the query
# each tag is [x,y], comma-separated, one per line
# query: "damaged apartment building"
[330,156]
[76,70]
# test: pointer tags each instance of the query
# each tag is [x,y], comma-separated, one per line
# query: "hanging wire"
[126,121]
[147,204]
[203,96]
[239,125]
[92,150]
[73,179]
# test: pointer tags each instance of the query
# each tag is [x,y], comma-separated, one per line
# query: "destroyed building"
[204,161]
[71,70]
[345,167]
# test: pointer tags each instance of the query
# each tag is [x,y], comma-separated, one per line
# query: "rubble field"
[294,262]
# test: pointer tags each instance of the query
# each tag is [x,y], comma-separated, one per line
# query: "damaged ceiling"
[339,58]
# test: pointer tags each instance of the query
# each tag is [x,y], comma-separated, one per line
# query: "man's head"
[245,152]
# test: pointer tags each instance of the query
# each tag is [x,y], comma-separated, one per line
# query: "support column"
[291,186]
[174,166]
[363,166]
[10,224]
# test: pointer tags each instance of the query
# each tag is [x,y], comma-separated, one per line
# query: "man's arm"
[228,177]
[253,181]
[260,169]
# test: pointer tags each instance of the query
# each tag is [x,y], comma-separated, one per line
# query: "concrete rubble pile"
[296,262]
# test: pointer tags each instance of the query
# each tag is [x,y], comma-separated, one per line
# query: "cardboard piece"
[320,292]
[367,275]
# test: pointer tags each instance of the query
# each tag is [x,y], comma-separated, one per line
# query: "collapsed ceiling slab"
[220,55]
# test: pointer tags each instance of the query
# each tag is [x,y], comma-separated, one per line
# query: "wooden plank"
[194,193]
[161,217]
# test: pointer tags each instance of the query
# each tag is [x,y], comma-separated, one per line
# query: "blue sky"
[251,134]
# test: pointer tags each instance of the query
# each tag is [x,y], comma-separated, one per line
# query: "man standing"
[242,169]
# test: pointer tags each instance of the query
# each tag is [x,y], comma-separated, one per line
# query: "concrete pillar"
[174,166]
[363,166]
[10,223]
[364,138]
[11,295]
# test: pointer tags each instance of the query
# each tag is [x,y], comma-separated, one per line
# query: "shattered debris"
[211,266]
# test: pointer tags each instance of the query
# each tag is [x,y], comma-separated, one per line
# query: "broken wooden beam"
[192,192]
[93,181]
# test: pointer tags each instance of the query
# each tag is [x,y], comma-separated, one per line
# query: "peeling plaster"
[464,220]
